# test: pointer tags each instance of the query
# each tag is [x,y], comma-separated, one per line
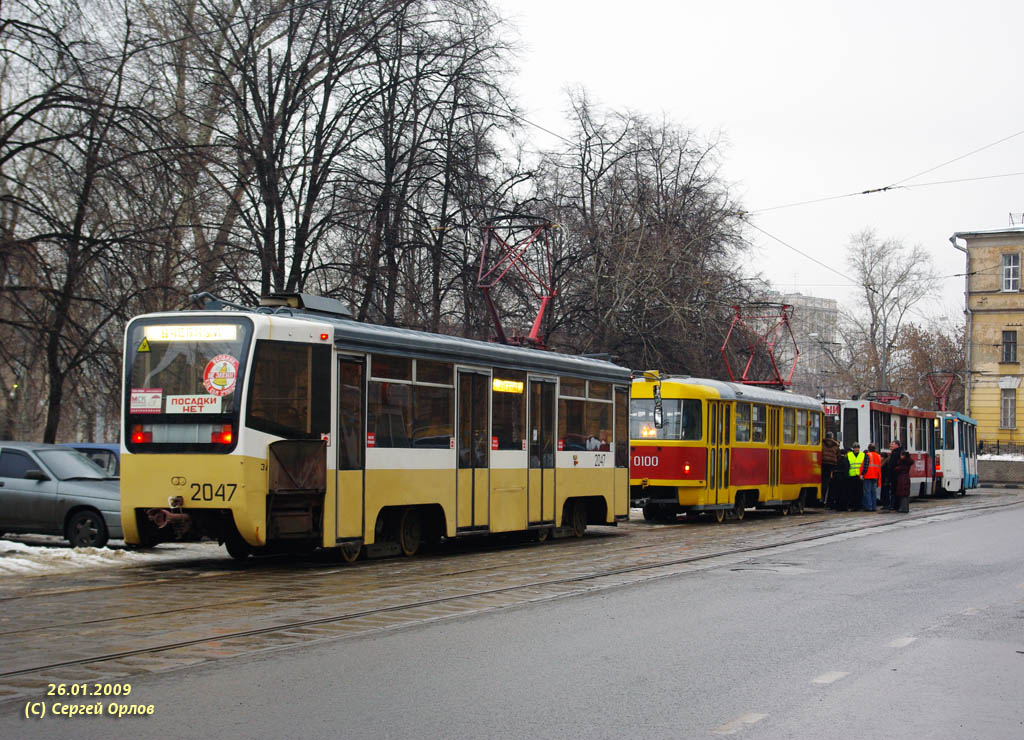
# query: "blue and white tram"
[956,452]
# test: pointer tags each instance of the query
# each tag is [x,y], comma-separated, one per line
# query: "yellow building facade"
[995,326]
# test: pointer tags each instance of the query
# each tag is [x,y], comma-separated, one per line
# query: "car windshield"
[67,464]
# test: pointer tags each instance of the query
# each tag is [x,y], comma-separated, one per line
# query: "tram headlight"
[141,435]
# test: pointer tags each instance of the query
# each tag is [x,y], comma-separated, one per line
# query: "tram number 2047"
[212,492]
[645,461]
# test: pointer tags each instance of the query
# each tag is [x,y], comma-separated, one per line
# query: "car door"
[26,505]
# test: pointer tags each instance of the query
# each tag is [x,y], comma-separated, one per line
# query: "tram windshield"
[682,419]
[184,378]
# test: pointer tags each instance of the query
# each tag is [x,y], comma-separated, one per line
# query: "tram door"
[713,451]
[348,497]
[774,452]
[541,485]
[473,444]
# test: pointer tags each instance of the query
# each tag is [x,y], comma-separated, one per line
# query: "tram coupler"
[162,517]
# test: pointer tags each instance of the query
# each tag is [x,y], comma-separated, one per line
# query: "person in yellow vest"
[854,488]
[871,473]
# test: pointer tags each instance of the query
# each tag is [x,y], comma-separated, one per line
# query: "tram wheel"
[542,535]
[798,505]
[739,511]
[410,531]
[720,515]
[350,552]
[578,519]
[650,513]
[785,509]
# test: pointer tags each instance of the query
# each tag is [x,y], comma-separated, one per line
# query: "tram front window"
[184,381]
[682,419]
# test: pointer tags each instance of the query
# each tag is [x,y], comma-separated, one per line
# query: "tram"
[292,426]
[707,446]
[956,452]
[880,423]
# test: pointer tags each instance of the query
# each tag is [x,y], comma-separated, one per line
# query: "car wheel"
[87,529]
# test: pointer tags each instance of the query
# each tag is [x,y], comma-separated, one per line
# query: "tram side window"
[290,392]
[508,404]
[788,426]
[598,426]
[920,432]
[801,427]
[576,387]
[743,422]
[432,426]
[393,368]
[389,411]
[815,420]
[758,422]
[571,424]
[949,436]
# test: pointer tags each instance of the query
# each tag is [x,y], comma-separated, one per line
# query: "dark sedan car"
[50,489]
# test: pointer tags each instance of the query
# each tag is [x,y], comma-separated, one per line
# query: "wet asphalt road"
[910,630]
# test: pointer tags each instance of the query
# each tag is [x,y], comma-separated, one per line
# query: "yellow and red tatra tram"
[700,445]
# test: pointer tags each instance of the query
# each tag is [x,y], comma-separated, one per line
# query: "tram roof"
[362,337]
[753,393]
[375,338]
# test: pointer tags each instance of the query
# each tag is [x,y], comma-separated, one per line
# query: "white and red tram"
[880,423]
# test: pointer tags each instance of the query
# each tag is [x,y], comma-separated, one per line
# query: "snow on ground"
[1010,458]
[32,555]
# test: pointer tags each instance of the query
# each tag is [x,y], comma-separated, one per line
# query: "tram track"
[542,589]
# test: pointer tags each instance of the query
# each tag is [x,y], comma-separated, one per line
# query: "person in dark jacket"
[829,461]
[901,478]
[888,479]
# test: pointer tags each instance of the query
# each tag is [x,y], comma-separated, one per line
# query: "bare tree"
[893,279]
[74,143]
[652,236]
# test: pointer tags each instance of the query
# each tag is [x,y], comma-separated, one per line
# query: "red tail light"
[140,436]
[223,437]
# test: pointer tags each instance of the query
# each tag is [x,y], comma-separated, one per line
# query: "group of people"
[853,480]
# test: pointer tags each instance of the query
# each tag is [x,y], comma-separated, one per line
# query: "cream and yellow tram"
[721,448]
[292,426]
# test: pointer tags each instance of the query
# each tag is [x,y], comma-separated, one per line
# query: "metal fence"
[1000,448]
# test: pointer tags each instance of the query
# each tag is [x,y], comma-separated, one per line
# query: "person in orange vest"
[871,472]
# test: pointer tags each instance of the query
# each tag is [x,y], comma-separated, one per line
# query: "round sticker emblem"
[220,375]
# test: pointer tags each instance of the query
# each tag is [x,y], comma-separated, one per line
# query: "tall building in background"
[995,320]
[815,328]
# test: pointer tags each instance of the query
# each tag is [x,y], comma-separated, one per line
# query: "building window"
[1011,273]
[1009,346]
[1008,409]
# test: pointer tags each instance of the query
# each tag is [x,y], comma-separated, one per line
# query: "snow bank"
[41,557]
[1004,458]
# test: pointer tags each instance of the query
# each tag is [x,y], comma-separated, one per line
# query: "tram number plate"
[211,492]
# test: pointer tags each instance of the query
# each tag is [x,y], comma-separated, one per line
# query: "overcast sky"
[814,99]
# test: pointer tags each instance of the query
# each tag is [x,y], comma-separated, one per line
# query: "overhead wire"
[899,184]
